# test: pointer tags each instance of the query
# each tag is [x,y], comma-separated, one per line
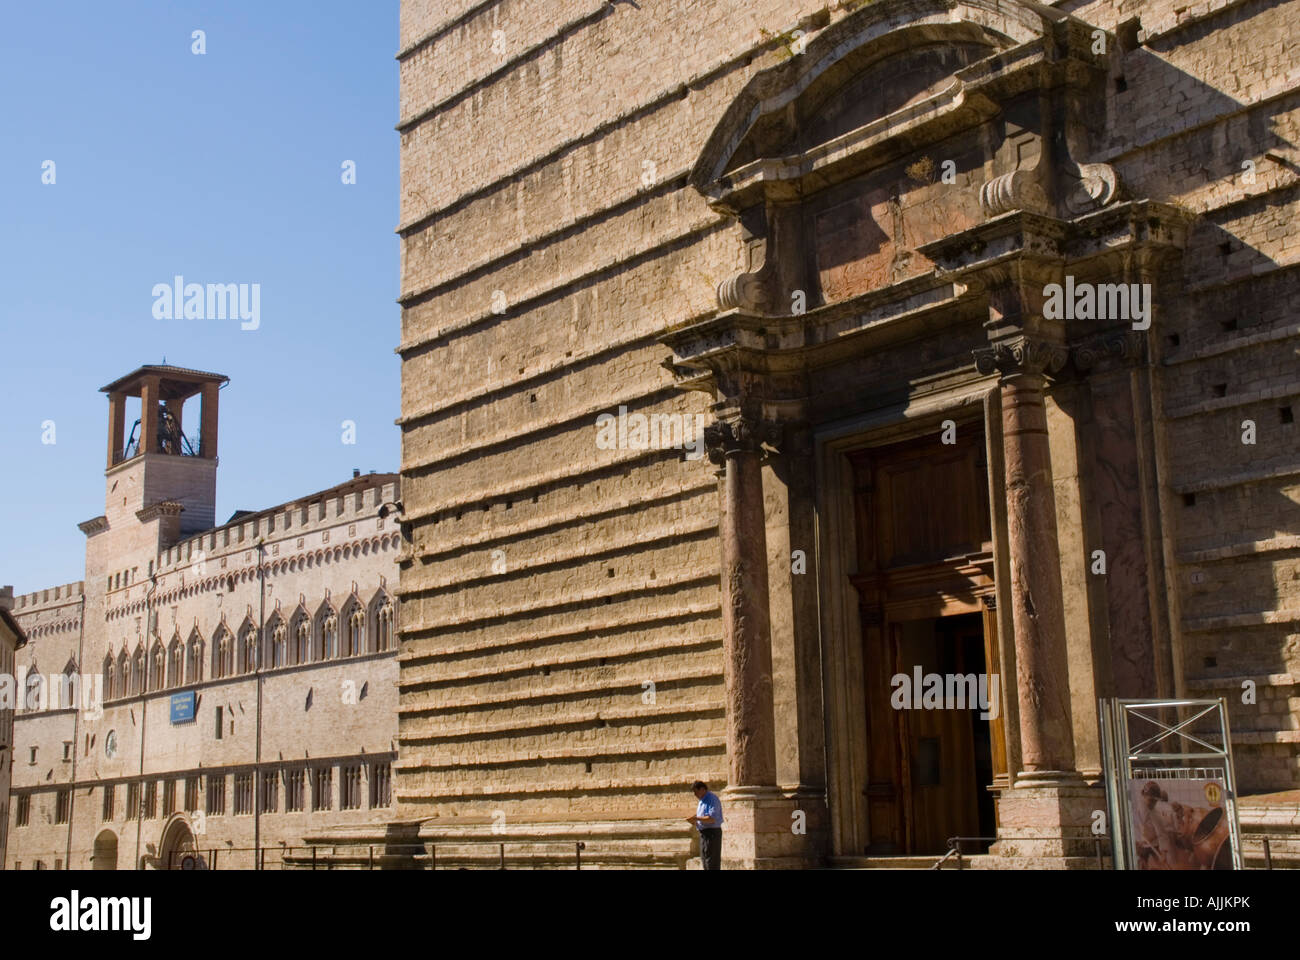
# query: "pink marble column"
[1038,613]
[747,646]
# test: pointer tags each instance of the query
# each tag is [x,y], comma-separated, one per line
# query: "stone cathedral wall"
[548,236]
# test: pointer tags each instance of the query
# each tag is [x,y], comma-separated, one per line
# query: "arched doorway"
[105,856]
[177,843]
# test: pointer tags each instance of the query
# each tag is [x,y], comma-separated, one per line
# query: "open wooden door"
[924,564]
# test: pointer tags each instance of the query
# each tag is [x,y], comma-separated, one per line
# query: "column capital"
[742,434]
[1020,356]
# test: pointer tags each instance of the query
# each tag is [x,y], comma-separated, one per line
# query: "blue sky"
[224,167]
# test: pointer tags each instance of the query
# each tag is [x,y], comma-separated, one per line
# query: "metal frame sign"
[182,707]
[1170,785]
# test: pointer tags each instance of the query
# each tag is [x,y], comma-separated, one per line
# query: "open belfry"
[989,308]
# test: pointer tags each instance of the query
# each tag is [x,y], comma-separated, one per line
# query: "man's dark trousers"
[711,848]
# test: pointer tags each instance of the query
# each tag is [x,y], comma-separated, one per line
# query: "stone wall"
[563,654]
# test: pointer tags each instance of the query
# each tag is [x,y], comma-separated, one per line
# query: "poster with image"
[1180,824]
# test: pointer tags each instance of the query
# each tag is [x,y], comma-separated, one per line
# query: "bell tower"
[157,466]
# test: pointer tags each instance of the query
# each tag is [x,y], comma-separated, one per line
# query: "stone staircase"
[482,845]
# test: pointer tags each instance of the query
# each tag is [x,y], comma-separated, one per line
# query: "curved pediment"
[892,58]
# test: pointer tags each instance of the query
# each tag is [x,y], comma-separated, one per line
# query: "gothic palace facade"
[203,746]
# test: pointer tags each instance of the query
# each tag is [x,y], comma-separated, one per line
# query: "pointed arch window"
[327,635]
[157,667]
[382,622]
[278,644]
[69,685]
[195,658]
[248,649]
[354,635]
[137,672]
[34,694]
[175,663]
[123,674]
[302,638]
[223,654]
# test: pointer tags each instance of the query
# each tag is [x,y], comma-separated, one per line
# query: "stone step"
[1276,817]
[889,863]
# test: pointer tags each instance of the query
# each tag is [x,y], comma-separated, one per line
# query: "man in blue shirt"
[708,820]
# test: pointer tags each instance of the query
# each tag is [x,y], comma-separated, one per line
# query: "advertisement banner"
[1180,824]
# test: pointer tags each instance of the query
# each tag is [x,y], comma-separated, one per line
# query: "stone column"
[1046,736]
[747,645]
[759,820]
[149,390]
[116,426]
[1044,818]
[208,421]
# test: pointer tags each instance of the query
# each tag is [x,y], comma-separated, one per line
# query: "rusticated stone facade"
[183,737]
[833,229]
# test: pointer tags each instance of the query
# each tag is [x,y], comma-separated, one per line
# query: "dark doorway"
[105,854]
[946,745]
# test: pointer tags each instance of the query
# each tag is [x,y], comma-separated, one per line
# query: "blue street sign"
[183,707]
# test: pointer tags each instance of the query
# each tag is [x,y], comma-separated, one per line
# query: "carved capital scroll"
[1098,185]
[1124,347]
[1017,190]
[745,290]
[744,434]
[1023,355]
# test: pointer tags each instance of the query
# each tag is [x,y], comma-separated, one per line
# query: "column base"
[1045,822]
[762,832]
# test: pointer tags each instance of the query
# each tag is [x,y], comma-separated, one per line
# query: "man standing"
[708,820]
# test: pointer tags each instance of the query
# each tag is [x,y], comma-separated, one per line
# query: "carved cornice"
[1122,347]
[1023,355]
[743,434]
[162,508]
[93,526]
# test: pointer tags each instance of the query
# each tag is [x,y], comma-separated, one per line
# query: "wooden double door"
[931,701]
